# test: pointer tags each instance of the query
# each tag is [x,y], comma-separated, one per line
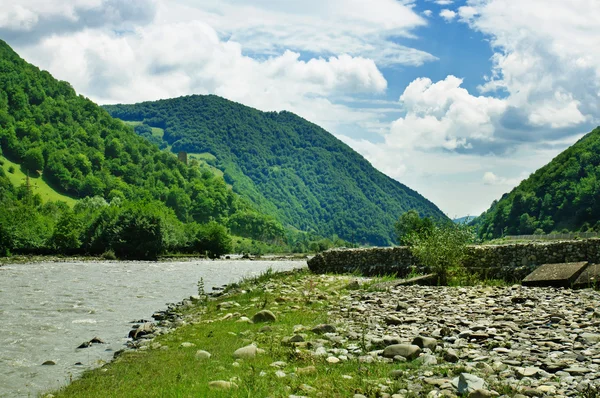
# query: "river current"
[48,309]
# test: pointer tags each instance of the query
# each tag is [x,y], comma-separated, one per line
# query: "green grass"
[177,373]
[38,185]
[156,131]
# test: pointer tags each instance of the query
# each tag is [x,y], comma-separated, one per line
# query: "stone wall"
[510,262]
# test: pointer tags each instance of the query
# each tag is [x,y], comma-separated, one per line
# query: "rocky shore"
[535,341]
[382,340]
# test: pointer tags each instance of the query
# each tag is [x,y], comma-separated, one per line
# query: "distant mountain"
[288,167]
[564,194]
[464,220]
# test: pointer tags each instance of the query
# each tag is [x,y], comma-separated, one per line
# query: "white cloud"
[427,13]
[323,27]
[163,61]
[448,15]
[545,57]
[18,17]
[443,115]
[444,2]
[489,178]
[466,13]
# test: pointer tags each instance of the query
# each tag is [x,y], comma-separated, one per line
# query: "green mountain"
[68,143]
[564,194]
[288,167]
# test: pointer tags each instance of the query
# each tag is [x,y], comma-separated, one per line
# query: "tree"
[34,160]
[443,249]
[214,239]
[66,238]
[410,223]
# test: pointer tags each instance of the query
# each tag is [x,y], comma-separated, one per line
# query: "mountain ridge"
[562,195]
[287,166]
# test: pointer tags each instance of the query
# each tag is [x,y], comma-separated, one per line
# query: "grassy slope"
[176,372]
[157,132]
[39,186]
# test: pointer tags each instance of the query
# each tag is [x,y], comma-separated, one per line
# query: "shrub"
[34,160]
[443,249]
[411,223]
[213,239]
[66,238]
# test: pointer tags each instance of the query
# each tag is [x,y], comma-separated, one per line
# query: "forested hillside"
[287,166]
[564,194]
[79,150]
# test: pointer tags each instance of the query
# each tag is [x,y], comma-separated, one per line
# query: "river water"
[48,309]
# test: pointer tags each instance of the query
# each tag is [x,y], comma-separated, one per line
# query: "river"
[48,309]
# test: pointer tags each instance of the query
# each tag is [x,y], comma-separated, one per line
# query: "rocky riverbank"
[535,341]
[332,336]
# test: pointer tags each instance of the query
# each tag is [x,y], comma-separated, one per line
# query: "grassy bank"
[168,368]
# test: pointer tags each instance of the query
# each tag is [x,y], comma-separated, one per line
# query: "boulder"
[264,316]
[324,328]
[425,342]
[408,351]
[466,383]
[249,351]
[555,275]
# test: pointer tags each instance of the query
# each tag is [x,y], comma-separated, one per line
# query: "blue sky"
[458,99]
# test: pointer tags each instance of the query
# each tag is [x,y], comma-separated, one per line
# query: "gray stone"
[427,360]
[246,352]
[450,355]
[555,275]
[590,277]
[479,393]
[425,342]
[201,354]
[591,338]
[264,316]
[222,385]
[142,330]
[323,328]
[466,383]
[407,351]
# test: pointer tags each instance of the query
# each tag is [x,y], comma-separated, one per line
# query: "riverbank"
[339,336]
[30,259]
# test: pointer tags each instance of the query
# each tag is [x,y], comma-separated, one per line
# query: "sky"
[458,99]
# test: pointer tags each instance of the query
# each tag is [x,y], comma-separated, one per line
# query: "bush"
[67,235]
[140,234]
[109,255]
[34,160]
[411,223]
[212,238]
[442,249]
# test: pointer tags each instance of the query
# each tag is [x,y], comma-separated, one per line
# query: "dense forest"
[78,149]
[288,167]
[563,195]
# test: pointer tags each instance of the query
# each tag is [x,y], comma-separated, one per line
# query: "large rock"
[323,328]
[264,316]
[142,330]
[425,342]
[246,352]
[408,351]
[555,275]
[590,277]
[466,383]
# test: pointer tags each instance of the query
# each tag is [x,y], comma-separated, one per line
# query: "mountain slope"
[564,194]
[78,149]
[287,166]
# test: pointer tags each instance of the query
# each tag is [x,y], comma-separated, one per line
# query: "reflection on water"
[48,309]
